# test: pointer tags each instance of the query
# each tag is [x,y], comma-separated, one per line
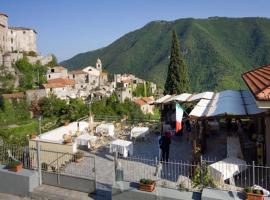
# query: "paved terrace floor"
[180,149]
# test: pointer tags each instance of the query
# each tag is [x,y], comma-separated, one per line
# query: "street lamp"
[39,124]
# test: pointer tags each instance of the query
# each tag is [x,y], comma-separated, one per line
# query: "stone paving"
[180,150]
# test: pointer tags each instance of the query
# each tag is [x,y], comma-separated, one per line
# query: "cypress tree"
[177,81]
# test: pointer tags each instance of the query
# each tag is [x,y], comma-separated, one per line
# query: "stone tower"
[3,33]
[99,65]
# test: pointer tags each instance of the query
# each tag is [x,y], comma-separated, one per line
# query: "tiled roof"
[13,95]
[258,80]
[143,100]
[139,102]
[58,83]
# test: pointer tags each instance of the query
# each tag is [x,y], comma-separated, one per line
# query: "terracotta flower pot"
[147,187]
[78,160]
[252,196]
[17,168]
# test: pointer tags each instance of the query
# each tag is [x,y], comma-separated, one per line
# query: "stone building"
[62,88]
[56,72]
[19,39]
[123,93]
[3,33]
[81,79]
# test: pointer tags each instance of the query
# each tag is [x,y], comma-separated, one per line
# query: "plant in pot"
[147,185]
[44,166]
[253,194]
[33,136]
[78,157]
[15,166]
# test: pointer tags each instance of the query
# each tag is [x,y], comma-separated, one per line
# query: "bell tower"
[99,65]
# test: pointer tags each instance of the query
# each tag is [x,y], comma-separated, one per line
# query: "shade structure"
[184,97]
[228,102]
[203,95]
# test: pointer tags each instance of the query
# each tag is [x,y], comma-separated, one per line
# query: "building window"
[52,70]
[11,40]
[50,89]
[49,76]
[23,32]
[73,75]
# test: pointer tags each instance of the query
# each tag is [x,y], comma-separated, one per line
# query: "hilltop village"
[19,43]
[83,133]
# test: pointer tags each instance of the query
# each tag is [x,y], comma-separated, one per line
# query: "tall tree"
[177,77]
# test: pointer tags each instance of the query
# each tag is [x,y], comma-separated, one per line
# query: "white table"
[137,132]
[107,128]
[122,146]
[226,169]
[84,139]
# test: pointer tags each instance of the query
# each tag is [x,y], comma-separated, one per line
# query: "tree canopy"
[177,77]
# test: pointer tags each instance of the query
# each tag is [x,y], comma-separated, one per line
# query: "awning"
[228,102]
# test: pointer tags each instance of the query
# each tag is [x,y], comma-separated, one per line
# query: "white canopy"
[203,95]
[228,102]
[184,97]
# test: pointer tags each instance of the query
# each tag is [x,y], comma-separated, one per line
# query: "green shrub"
[14,163]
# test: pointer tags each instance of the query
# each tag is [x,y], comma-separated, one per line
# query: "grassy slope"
[217,51]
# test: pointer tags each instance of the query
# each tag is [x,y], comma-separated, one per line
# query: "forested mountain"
[217,50]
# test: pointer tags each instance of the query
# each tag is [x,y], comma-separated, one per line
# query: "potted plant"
[253,194]
[147,185]
[33,136]
[15,166]
[44,166]
[78,156]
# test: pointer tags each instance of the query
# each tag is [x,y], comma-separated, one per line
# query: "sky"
[68,27]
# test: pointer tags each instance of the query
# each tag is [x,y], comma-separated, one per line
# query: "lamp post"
[90,120]
[39,124]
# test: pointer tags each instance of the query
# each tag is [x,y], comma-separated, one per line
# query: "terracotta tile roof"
[258,81]
[15,95]
[78,72]
[139,102]
[126,81]
[147,99]
[58,83]
[143,100]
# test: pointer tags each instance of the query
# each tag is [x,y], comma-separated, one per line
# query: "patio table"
[123,147]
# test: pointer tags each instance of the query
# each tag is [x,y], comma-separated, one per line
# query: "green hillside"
[217,50]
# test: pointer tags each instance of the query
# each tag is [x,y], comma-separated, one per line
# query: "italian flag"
[179,117]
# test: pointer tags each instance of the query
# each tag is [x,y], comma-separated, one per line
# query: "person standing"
[165,142]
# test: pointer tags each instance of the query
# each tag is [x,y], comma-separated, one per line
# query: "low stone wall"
[69,182]
[126,190]
[18,183]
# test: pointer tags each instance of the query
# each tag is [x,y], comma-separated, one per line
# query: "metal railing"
[78,165]
[193,176]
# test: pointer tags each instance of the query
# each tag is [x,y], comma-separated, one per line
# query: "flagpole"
[182,108]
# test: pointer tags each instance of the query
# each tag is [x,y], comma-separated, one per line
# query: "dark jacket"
[165,142]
